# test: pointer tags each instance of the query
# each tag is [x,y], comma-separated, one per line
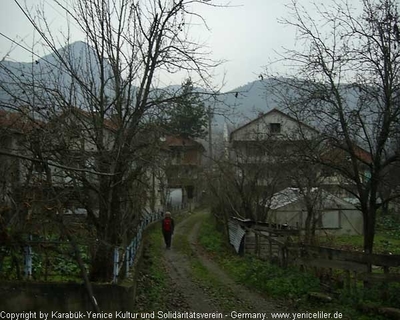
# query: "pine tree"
[187,116]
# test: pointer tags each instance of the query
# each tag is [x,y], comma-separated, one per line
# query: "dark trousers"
[167,238]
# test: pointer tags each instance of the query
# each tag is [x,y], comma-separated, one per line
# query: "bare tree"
[246,176]
[346,82]
[98,100]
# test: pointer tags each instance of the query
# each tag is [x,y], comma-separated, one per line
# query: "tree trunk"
[107,233]
[102,263]
[369,230]
[307,227]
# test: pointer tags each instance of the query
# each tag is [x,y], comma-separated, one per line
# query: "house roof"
[360,153]
[284,198]
[176,141]
[17,122]
[268,113]
[21,122]
[338,154]
[109,124]
[289,196]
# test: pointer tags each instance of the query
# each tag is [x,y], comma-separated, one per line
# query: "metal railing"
[124,257]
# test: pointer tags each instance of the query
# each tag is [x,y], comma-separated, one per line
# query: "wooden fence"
[278,245]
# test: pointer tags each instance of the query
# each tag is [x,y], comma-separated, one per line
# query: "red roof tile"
[17,122]
[176,141]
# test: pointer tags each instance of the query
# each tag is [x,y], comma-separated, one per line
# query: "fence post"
[270,246]
[284,257]
[127,259]
[139,236]
[133,250]
[28,261]
[116,260]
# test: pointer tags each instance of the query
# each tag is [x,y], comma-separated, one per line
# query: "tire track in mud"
[252,300]
[194,296]
[178,267]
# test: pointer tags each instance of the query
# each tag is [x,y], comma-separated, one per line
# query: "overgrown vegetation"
[389,225]
[208,281]
[386,241]
[382,243]
[152,280]
[52,258]
[255,273]
[290,283]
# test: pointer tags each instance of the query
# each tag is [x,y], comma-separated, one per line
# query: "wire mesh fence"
[39,259]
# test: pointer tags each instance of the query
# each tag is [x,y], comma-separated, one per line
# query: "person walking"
[168,226]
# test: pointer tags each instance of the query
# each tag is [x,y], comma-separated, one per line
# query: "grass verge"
[290,283]
[205,279]
[152,280]
[383,243]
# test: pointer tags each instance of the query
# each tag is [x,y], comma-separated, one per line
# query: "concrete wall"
[47,297]
[349,222]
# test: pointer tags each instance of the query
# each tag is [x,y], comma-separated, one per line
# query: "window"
[177,157]
[275,127]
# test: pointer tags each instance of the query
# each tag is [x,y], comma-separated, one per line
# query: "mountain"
[239,105]
[245,103]
[31,82]
[234,107]
[78,51]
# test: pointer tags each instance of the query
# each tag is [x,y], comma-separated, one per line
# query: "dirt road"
[190,293]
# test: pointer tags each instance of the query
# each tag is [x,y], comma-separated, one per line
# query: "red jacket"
[166,223]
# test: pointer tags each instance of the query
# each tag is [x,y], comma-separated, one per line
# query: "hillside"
[31,82]
[28,80]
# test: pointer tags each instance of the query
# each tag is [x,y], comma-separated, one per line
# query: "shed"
[336,216]
[260,238]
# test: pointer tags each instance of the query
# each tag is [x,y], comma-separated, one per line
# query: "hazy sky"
[246,35]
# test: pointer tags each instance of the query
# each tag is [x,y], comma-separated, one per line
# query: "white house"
[269,146]
[276,125]
[269,138]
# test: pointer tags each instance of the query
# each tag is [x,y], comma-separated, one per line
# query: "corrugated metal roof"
[291,195]
[284,198]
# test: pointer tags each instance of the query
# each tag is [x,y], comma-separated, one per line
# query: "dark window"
[275,127]
[190,192]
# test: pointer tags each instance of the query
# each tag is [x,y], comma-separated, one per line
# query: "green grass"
[252,272]
[57,265]
[152,282]
[225,297]
[383,243]
[386,240]
[209,282]
[290,283]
